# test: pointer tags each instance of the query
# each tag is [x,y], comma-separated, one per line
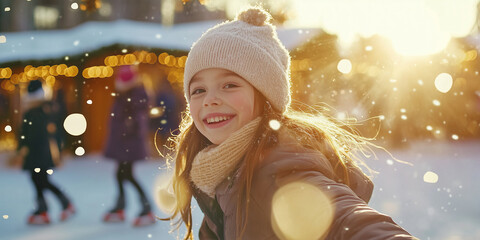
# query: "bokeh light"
[274,124]
[443,82]
[344,66]
[301,211]
[75,124]
[8,128]
[79,151]
[430,177]
[164,196]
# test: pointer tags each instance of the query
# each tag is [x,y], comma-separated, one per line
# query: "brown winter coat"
[286,164]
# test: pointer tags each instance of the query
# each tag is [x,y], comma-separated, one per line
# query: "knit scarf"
[214,163]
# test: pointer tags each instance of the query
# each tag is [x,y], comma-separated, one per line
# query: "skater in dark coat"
[38,148]
[126,142]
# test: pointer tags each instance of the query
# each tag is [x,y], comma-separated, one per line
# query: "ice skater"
[126,142]
[257,168]
[39,150]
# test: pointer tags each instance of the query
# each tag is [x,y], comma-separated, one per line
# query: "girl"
[258,169]
[38,147]
[126,142]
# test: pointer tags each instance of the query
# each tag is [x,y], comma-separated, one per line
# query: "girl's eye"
[230,85]
[197,91]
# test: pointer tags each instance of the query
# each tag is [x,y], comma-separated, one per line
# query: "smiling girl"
[257,168]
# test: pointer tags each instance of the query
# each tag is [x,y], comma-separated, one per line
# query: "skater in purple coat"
[127,141]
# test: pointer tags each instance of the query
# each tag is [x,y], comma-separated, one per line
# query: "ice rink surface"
[448,209]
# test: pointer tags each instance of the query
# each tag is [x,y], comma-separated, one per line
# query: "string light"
[49,73]
[5,72]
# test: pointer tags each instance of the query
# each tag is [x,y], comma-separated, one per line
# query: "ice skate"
[67,213]
[117,214]
[39,218]
[113,216]
[144,220]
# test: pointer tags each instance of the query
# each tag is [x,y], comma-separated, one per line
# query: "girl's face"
[221,102]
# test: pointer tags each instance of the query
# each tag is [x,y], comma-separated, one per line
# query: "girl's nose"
[211,100]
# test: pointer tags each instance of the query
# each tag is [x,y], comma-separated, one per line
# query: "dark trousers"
[41,182]
[125,173]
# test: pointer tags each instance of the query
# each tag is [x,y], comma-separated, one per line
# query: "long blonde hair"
[341,145]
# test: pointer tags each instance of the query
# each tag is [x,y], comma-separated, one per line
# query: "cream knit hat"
[249,47]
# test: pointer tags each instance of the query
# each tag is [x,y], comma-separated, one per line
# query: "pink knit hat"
[249,47]
[126,77]
[125,73]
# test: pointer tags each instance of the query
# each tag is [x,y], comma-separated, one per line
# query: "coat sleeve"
[350,217]
[205,232]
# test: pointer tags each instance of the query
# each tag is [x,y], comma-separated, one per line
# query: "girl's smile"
[216,120]
[221,102]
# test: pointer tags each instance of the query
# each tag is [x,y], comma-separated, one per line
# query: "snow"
[90,36]
[446,209]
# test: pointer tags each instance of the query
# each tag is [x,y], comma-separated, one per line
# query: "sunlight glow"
[415,27]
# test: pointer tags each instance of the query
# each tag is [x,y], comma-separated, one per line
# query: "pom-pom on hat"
[248,46]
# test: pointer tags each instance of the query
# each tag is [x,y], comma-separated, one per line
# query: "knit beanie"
[248,46]
[126,78]
[125,73]
[35,91]
[34,86]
